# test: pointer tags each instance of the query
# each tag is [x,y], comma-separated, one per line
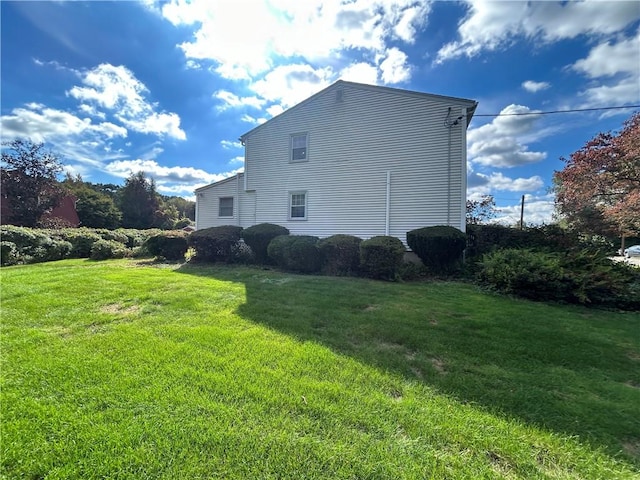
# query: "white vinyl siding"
[225,207]
[360,138]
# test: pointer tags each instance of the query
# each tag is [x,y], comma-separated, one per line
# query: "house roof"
[472,104]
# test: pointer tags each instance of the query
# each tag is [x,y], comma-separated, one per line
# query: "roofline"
[224,180]
[470,109]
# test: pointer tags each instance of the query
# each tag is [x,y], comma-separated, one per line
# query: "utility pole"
[522,214]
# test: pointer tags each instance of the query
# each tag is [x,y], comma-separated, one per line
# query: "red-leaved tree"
[598,191]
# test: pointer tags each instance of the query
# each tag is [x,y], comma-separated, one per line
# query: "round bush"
[298,253]
[440,248]
[216,243]
[81,239]
[116,235]
[106,249]
[340,254]
[169,246]
[258,238]
[381,257]
[8,253]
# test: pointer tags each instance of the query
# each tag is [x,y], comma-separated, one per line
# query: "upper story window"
[225,207]
[299,147]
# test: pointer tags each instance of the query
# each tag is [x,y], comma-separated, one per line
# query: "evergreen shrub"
[340,255]
[381,257]
[258,238]
[216,244]
[106,249]
[297,253]
[169,245]
[440,247]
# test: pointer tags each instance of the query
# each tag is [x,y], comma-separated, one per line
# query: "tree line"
[30,189]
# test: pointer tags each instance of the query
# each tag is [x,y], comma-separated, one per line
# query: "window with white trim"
[299,147]
[225,207]
[298,205]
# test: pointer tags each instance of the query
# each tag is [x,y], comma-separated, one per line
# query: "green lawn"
[126,369]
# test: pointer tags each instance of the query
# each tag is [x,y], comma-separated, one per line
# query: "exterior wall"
[207,203]
[357,139]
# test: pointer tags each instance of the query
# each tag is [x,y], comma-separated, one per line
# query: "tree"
[29,181]
[481,211]
[598,191]
[95,209]
[138,202]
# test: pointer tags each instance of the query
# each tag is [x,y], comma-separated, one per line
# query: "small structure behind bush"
[297,253]
[216,244]
[340,255]
[381,257]
[171,246]
[258,238]
[440,248]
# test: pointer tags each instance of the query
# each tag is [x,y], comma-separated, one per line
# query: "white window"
[299,147]
[225,207]
[298,206]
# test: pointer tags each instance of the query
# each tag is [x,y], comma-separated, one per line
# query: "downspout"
[388,205]
[449,178]
[238,197]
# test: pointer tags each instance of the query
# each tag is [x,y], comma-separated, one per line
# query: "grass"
[124,369]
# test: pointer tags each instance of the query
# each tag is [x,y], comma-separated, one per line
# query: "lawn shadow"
[567,369]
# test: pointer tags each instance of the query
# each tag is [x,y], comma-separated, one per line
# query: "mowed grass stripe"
[126,369]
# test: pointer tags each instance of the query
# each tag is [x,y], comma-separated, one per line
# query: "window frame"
[220,199]
[306,147]
[291,205]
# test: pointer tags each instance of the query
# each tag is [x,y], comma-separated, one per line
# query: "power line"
[554,111]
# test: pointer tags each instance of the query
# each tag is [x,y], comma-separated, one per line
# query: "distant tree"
[95,209]
[28,176]
[481,211]
[598,191]
[186,208]
[139,202]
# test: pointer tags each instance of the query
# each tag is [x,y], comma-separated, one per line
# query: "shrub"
[49,251]
[106,249]
[21,237]
[168,245]
[116,235]
[8,253]
[581,276]
[380,257]
[298,253]
[33,245]
[81,239]
[135,238]
[259,236]
[340,255]
[440,248]
[216,243]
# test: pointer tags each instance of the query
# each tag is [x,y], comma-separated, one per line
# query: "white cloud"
[491,25]
[228,144]
[290,84]
[232,100]
[531,86]
[498,144]
[253,120]
[118,90]
[314,30]
[238,159]
[616,69]
[394,67]
[361,72]
[43,124]
[161,174]
[538,210]
[481,184]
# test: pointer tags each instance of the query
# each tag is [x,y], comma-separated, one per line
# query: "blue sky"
[168,87]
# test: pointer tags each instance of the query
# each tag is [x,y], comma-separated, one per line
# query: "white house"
[354,159]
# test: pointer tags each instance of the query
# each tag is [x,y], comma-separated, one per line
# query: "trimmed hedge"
[381,257]
[171,246]
[258,238]
[340,255]
[216,243]
[440,247]
[297,253]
